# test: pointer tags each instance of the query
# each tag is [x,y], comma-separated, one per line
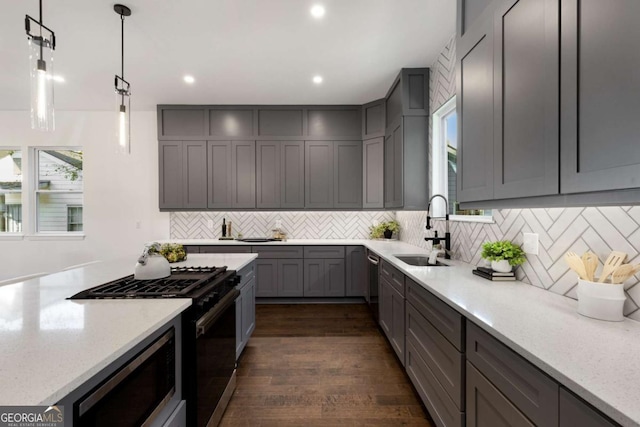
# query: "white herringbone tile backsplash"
[599,230]
[298,225]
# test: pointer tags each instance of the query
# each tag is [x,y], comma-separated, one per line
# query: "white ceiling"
[239,51]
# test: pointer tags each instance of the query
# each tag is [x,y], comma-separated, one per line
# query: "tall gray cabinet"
[183,171]
[279,174]
[231,173]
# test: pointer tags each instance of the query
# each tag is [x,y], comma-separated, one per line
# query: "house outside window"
[74,218]
[59,190]
[444,161]
[10,191]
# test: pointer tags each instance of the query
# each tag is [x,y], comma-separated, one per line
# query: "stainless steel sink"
[420,261]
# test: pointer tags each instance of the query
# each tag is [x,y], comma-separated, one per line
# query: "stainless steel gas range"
[208,336]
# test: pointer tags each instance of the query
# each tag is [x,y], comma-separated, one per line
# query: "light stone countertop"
[597,360]
[51,345]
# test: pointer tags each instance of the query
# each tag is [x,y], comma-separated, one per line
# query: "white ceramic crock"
[603,301]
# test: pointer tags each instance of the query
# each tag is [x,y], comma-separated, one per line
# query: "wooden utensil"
[590,261]
[613,261]
[622,273]
[575,263]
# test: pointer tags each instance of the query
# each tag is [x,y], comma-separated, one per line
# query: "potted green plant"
[503,254]
[384,229]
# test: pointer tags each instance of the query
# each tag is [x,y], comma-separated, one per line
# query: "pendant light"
[123,93]
[42,43]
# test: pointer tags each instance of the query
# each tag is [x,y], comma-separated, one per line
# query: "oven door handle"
[205,322]
[123,373]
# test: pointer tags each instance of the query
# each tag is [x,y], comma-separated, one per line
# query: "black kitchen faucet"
[447,235]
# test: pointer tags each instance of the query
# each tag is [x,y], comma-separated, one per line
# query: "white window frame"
[34,190]
[10,235]
[439,166]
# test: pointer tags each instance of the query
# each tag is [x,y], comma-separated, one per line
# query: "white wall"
[119,191]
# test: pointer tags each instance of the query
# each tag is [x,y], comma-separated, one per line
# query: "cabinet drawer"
[192,249]
[216,249]
[445,319]
[393,276]
[246,274]
[535,394]
[324,251]
[274,252]
[576,412]
[444,360]
[435,398]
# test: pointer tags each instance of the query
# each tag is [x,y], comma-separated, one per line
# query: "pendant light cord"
[122,49]
[41,38]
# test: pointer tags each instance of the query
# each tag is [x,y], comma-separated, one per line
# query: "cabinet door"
[266,277]
[318,174]
[373,173]
[356,279]
[526,79]
[385,307]
[292,174]
[334,277]
[599,91]
[248,310]
[389,175]
[474,104]
[397,337]
[268,174]
[239,329]
[243,167]
[575,412]
[194,170]
[347,181]
[486,406]
[290,278]
[219,174]
[398,166]
[171,176]
[314,277]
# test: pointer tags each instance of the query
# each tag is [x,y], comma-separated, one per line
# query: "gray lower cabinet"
[599,93]
[487,406]
[279,174]
[392,313]
[267,277]
[324,277]
[245,307]
[356,278]
[333,174]
[522,385]
[183,169]
[576,412]
[527,97]
[373,173]
[290,278]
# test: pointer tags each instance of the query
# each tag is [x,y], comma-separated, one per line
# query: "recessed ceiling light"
[317,11]
[189,79]
[317,79]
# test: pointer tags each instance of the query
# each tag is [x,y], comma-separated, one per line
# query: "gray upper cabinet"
[318,170]
[373,119]
[474,103]
[292,174]
[219,173]
[373,173]
[243,169]
[183,171]
[600,127]
[469,11]
[334,122]
[182,122]
[393,167]
[347,180]
[408,95]
[526,133]
[279,174]
[236,122]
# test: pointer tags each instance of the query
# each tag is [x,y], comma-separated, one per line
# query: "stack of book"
[490,274]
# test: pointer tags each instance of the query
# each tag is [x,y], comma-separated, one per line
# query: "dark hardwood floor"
[321,365]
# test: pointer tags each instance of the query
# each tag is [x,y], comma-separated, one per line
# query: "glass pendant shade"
[123,123]
[41,73]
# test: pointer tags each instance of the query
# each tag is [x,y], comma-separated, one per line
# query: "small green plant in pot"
[384,229]
[504,255]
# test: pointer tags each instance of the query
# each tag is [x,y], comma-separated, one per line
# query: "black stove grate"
[182,283]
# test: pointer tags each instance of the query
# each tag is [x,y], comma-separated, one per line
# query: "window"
[10,191]
[58,190]
[74,218]
[444,163]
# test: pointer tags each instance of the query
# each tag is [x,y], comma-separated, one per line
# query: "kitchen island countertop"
[51,345]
